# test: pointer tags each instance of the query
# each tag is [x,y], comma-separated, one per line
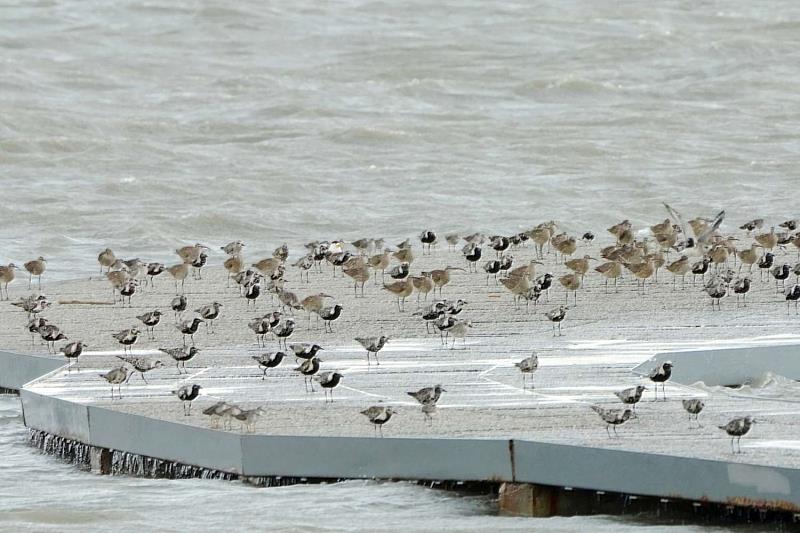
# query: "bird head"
[667,364]
[158,364]
[317,347]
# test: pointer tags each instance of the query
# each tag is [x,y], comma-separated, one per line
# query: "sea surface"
[147,125]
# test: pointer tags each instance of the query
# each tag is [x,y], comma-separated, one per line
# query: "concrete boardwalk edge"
[459,459]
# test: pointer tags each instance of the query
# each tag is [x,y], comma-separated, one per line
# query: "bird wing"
[711,228]
[677,218]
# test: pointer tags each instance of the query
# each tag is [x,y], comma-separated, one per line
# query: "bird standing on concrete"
[6,277]
[631,396]
[378,415]
[661,374]
[72,351]
[140,365]
[613,417]
[127,338]
[737,428]
[186,394]
[557,316]
[308,368]
[181,355]
[116,376]
[693,407]
[189,327]
[373,345]
[329,381]
[150,321]
[209,313]
[268,360]
[527,367]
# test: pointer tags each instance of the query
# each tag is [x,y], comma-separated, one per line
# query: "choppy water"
[145,125]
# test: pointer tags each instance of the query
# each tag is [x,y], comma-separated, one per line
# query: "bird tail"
[597,409]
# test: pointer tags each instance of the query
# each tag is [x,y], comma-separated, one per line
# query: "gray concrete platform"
[605,337]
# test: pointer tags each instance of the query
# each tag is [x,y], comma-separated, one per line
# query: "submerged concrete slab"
[728,366]
[17,369]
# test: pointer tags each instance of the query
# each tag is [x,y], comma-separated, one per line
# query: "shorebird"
[181,355]
[737,428]
[228,413]
[749,256]
[215,412]
[116,376]
[452,240]
[233,248]
[189,327]
[289,300]
[32,305]
[378,415]
[703,231]
[141,364]
[790,225]
[768,240]
[716,289]
[399,271]
[379,262]
[305,350]
[359,274]
[6,277]
[106,259]
[233,265]
[751,225]
[402,290]
[150,320]
[308,368]
[179,272]
[428,238]
[337,259]
[423,284]
[268,266]
[527,367]
[441,277]
[373,345]
[118,279]
[329,381]
[459,330]
[127,291]
[741,288]
[472,253]
[178,305]
[304,264]
[610,270]
[631,396]
[187,394]
[680,267]
[661,374]
[190,254]
[491,267]
[153,270]
[618,229]
[362,246]
[580,265]
[268,360]
[72,351]
[328,315]
[281,252]
[252,292]
[404,255]
[570,282]
[693,407]
[428,395]
[556,316]
[127,338]
[33,327]
[499,244]
[431,313]
[792,295]
[566,246]
[260,326]
[36,268]
[781,274]
[642,271]
[283,331]
[51,335]
[700,268]
[765,263]
[313,303]
[541,235]
[613,417]
[249,418]
[209,313]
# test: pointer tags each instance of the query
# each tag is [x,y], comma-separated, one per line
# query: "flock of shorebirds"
[723,264]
